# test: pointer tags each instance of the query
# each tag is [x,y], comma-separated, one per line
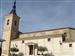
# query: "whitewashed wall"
[53,46]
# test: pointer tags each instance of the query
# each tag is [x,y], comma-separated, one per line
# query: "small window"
[49,39]
[60,42]
[8,22]
[22,41]
[14,22]
[70,45]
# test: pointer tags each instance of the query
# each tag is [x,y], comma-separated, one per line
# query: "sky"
[36,15]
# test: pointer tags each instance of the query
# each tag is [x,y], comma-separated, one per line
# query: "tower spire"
[14,8]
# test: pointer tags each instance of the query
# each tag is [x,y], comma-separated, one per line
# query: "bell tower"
[10,30]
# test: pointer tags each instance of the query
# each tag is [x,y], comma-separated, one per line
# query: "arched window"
[14,22]
[8,22]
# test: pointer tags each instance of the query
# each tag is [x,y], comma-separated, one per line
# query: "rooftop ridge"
[49,30]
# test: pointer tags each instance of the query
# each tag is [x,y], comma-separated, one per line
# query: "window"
[60,42]
[14,22]
[8,22]
[70,45]
[49,39]
[22,41]
[64,37]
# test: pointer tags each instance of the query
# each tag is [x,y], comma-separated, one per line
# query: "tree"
[42,49]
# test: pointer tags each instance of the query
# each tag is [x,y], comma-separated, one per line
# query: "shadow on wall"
[21,54]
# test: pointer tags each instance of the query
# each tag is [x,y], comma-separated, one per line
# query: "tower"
[10,30]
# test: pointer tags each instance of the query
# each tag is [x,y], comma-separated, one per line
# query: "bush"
[42,49]
[14,49]
[20,54]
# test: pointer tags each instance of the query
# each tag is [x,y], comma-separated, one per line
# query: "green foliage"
[14,49]
[42,49]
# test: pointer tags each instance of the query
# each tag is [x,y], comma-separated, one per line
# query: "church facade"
[57,42]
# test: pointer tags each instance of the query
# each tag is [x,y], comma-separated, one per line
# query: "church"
[53,42]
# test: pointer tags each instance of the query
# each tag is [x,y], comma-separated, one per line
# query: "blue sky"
[40,14]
